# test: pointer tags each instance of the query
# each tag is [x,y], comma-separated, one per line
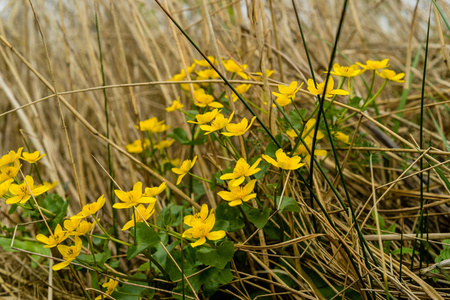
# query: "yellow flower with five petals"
[185,167]
[110,287]
[391,75]
[374,64]
[242,170]
[219,122]
[140,215]
[238,128]
[22,192]
[31,157]
[321,87]
[91,208]
[206,117]
[238,194]
[10,157]
[344,71]
[203,100]
[154,191]
[55,239]
[176,104]
[201,225]
[283,161]
[133,197]
[69,253]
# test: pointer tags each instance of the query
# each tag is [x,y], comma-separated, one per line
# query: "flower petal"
[199,242]
[215,235]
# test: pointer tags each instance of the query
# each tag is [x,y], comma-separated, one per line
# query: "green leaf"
[230,214]
[271,149]
[130,292]
[288,204]
[446,244]
[380,220]
[145,238]
[354,102]
[180,136]
[257,217]
[392,227]
[32,246]
[190,263]
[212,278]
[297,117]
[264,166]
[161,254]
[192,113]
[404,250]
[100,258]
[217,257]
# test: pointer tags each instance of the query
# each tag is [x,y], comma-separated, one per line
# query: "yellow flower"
[286,93]
[202,224]
[58,237]
[174,162]
[344,71]
[133,197]
[321,86]
[291,133]
[241,170]
[242,88]
[204,62]
[184,169]
[307,136]
[136,146]
[140,215]
[69,253]
[342,137]
[231,66]
[9,171]
[206,117]
[164,144]
[391,75]
[176,104]
[182,74]
[4,186]
[10,157]
[77,227]
[50,185]
[305,152]
[203,100]
[238,194]
[153,125]
[207,74]
[90,209]
[110,287]
[374,64]
[219,122]
[257,75]
[283,161]
[154,191]
[22,192]
[239,128]
[308,131]
[31,157]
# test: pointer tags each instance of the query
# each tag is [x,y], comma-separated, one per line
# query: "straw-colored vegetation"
[178,138]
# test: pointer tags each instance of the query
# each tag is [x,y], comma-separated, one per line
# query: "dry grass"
[142,49]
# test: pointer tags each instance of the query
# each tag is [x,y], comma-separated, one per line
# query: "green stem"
[369,92]
[200,178]
[365,105]
[108,237]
